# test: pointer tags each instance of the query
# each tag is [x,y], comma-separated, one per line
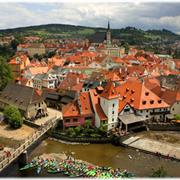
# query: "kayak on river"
[75,168]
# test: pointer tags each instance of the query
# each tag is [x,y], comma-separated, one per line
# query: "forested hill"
[130,35]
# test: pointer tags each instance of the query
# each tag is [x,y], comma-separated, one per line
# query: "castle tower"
[108,35]
[109,102]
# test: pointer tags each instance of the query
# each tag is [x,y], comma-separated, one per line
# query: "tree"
[5,73]
[14,43]
[78,130]
[88,124]
[13,115]
[102,130]
[51,54]
[71,132]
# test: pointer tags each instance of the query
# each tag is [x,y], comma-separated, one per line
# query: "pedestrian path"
[154,146]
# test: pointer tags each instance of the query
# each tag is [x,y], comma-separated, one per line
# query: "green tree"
[13,115]
[88,124]
[14,43]
[5,73]
[51,54]
[102,130]
[71,132]
[78,130]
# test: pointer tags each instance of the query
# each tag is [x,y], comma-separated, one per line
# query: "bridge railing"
[5,161]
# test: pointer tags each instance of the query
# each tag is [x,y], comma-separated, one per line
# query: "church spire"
[108,26]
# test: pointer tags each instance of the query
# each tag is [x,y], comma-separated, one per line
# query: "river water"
[102,154]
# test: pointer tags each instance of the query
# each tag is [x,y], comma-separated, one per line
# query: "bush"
[13,116]
[78,130]
[88,124]
[177,116]
[71,132]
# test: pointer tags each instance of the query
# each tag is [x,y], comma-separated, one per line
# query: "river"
[101,154]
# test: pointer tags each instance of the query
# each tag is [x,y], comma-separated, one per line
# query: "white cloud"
[141,15]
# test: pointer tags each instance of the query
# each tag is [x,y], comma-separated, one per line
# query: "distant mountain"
[130,35]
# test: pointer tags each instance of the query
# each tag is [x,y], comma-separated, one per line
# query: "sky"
[140,15]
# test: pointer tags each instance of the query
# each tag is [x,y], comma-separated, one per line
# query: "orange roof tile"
[95,101]
[80,106]
[170,96]
[110,91]
[139,97]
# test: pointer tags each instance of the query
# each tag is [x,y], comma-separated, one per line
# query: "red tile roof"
[139,97]
[110,91]
[170,96]
[95,101]
[80,106]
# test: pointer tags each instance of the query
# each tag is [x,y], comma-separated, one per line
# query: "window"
[147,116]
[75,120]
[67,120]
[113,119]
[112,112]
[146,110]
[113,105]
[88,118]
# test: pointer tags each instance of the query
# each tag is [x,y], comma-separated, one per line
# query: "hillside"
[130,35]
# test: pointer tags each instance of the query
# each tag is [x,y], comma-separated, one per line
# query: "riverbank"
[158,144]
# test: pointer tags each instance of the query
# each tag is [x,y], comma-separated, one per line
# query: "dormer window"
[151,101]
[146,93]
[143,102]
[159,101]
[132,91]
[124,97]
[127,89]
[132,99]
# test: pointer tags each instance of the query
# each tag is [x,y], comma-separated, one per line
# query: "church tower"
[108,35]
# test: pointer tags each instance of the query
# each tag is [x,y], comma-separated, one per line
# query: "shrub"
[177,116]
[88,124]
[13,116]
[78,130]
[71,132]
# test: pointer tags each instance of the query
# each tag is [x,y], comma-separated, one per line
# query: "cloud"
[140,15]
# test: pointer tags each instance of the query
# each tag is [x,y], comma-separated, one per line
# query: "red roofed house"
[100,116]
[173,99]
[109,102]
[18,64]
[77,112]
[73,82]
[138,104]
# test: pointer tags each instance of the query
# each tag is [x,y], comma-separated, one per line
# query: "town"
[96,83]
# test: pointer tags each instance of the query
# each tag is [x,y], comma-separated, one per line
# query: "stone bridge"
[28,142]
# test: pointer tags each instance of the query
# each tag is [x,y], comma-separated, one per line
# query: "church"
[104,40]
